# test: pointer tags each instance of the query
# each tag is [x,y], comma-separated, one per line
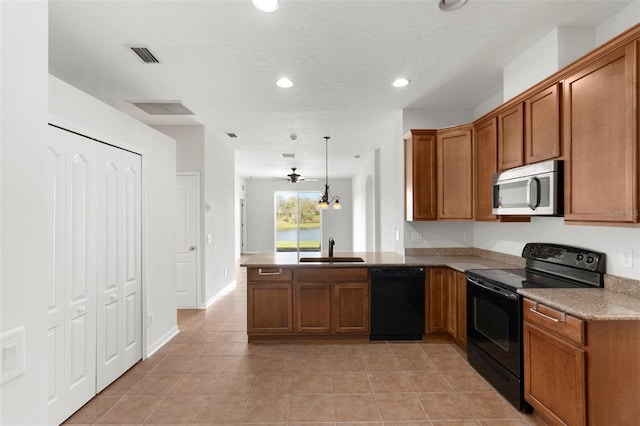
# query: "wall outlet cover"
[626,258]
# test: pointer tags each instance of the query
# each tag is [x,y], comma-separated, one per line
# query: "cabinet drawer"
[270,274]
[555,321]
[332,274]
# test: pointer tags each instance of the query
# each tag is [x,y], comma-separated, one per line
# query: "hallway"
[209,374]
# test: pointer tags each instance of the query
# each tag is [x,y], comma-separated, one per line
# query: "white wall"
[75,110]
[23,215]
[220,220]
[511,237]
[365,230]
[438,234]
[261,213]
[433,118]
[626,18]
[557,49]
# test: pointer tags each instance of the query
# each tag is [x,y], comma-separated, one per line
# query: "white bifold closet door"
[94,274]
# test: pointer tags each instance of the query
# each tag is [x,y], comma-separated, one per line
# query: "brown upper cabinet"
[601,140]
[542,125]
[455,173]
[510,137]
[529,131]
[420,175]
[486,164]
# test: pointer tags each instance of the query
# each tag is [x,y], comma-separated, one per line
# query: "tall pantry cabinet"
[95,309]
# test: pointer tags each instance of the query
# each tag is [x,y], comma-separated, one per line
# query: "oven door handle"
[503,293]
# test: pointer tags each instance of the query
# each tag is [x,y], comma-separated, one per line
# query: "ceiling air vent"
[288,155]
[232,135]
[145,54]
[162,107]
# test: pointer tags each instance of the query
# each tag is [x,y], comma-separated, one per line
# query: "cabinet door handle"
[535,311]
[260,272]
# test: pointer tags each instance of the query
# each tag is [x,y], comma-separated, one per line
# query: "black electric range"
[494,308]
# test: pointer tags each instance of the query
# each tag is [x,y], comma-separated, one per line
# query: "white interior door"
[132,255]
[187,232]
[80,357]
[109,265]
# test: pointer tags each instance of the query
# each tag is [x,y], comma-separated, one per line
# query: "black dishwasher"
[397,303]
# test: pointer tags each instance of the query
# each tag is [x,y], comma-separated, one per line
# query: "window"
[298,224]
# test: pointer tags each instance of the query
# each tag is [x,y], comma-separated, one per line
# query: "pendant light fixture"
[327,200]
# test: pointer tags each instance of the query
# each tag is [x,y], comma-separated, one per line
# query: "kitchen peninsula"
[292,297]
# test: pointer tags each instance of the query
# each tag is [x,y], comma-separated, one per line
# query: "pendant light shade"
[326,200]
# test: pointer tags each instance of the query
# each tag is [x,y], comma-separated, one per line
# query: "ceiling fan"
[294,177]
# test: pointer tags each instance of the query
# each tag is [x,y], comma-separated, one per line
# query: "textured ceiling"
[221,58]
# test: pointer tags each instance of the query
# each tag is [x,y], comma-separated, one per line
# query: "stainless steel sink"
[335,259]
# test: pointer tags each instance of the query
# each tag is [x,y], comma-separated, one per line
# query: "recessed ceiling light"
[448,5]
[266,5]
[400,82]
[285,83]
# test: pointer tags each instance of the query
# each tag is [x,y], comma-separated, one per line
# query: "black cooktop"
[513,279]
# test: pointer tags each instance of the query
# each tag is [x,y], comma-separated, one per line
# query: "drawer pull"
[269,273]
[535,311]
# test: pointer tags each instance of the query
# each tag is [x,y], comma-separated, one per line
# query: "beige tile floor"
[209,374]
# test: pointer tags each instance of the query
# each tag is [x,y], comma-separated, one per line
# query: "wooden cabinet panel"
[461,295]
[452,304]
[542,125]
[420,175]
[486,164]
[269,308]
[313,308]
[554,378]
[351,307]
[510,138]
[455,173]
[436,294]
[601,141]
[331,300]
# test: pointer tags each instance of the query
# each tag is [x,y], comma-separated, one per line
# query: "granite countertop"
[372,259]
[596,304]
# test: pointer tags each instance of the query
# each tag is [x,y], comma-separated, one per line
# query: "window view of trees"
[297,221]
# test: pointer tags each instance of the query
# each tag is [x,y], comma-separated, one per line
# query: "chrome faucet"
[331,244]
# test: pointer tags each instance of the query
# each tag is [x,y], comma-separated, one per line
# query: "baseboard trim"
[151,349]
[226,289]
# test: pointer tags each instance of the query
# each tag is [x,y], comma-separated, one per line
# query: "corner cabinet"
[601,139]
[446,304]
[420,175]
[581,372]
[455,173]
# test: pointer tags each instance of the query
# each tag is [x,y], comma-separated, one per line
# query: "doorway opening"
[298,224]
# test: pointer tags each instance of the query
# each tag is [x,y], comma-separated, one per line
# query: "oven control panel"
[565,255]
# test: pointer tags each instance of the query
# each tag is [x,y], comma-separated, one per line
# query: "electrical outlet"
[416,237]
[466,236]
[225,272]
[150,320]
[397,235]
[626,258]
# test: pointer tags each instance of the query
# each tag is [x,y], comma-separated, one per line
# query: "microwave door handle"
[534,201]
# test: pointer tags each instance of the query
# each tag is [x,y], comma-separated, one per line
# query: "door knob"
[81,309]
[114,297]
[192,248]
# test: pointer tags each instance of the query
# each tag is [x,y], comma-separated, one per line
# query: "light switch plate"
[12,354]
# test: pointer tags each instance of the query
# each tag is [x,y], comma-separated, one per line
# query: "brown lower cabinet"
[580,372]
[308,302]
[446,304]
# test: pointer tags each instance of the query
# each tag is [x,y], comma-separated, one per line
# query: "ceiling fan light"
[266,5]
[400,82]
[285,83]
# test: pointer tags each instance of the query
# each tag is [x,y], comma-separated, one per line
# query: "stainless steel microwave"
[536,189]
